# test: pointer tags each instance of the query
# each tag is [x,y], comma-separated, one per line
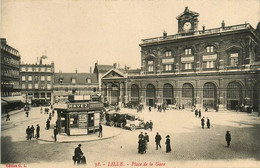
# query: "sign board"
[187,59]
[168,61]
[83,120]
[84,106]
[96,105]
[209,57]
[78,105]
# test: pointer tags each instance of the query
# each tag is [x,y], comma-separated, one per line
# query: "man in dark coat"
[149,108]
[55,132]
[208,122]
[100,130]
[77,155]
[168,144]
[48,124]
[27,113]
[38,131]
[7,117]
[228,138]
[151,125]
[141,146]
[158,140]
[202,122]
[196,113]
[28,132]
[199,113]
[32,131]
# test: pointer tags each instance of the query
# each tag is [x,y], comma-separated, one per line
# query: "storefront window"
[74,121]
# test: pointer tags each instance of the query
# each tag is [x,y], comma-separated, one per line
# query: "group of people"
[203,122]
[30,132]
[149,125]
[144,139]
[142,142]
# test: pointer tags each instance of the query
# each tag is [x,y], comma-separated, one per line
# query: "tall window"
[29,78]
[150,66]
[23,86]
[42,78]
[88,80]
[209,64]
[73,80]
[168,53]
[61,81]
[23,69]
[187,65]
[210,49]
[36,85]
[233,59]
[188,51]
[48,69]
[48,86]
[29,69]
[168,67]
[29,86]
[23,78]
[48,78]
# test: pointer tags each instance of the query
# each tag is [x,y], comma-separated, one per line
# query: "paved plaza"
[191,145]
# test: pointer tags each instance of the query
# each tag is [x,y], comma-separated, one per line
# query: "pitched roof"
[104,68]
[80,78]
[187,11]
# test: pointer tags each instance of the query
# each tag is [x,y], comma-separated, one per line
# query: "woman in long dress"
[168,144]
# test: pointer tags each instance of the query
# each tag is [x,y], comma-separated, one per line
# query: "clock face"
[187,26]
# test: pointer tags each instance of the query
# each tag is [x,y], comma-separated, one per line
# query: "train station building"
[211,68]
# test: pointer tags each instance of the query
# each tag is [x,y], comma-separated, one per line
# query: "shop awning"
[3,103]
[13,99]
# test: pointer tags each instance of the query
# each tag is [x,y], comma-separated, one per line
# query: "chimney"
[203,28]
[223,24]
[3,41]
[115,65]
[76,70]
[186,8]
[164,34]
[90,69]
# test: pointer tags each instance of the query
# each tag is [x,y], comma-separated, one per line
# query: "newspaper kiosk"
[79,118]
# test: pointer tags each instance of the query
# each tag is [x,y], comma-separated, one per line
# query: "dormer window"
[210,49]
[73,80]
[168,53]
[88,80]
[61,81]
[188,51]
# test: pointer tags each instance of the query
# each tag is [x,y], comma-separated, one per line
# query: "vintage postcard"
[130,84]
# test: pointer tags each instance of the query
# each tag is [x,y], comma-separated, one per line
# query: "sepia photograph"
[130,83]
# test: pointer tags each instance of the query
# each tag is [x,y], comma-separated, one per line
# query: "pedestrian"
[141,146]
[51,106]
[168,144]
[37,131]
[202,122]
[47,124]
[53,112]
[41,110]
[146,139]
[183,107]
[55,132]
[32,131]
[228,138]
[27,113]
[158,140]
[100,130]
[28,132]
[50,116]
[236,108]
[199,113]
[141,135]
[217,108]
[208,122]
[150,108]
[196,113]
[7,117]
[151,125]
[77,154]
[206,109]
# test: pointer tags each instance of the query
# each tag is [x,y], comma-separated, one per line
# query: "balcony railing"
[200,32]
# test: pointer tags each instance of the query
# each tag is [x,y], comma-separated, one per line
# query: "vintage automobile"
[115,119]
[133,121]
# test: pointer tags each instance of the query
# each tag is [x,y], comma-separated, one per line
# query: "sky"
[78,33]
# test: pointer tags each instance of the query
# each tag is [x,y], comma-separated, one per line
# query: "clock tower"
[187,22]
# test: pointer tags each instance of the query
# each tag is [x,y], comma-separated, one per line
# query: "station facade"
[204,68]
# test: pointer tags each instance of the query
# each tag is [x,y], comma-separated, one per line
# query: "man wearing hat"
[228,138]
[77,154]
[158,140]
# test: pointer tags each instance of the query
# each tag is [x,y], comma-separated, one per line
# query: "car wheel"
[112,123]
[122,125]
[132,127]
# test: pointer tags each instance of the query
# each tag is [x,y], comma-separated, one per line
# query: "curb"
[44,140]
[12,113]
